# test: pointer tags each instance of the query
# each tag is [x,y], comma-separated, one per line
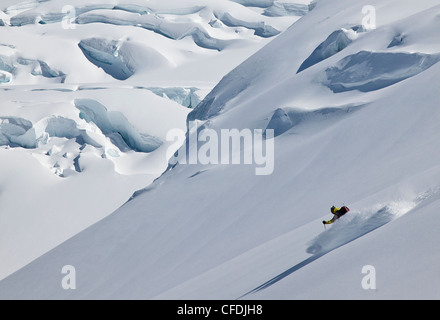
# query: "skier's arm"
[329,221]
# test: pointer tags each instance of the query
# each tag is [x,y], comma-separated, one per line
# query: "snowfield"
[88,94]
[348,96]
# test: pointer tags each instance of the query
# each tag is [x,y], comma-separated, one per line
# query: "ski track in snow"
[79,85]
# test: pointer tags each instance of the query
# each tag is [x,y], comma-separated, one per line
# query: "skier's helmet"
[332,209]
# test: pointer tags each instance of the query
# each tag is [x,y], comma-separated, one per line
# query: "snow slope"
[222,232]
[88,92]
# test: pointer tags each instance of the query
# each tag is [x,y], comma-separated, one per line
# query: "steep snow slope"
[221,231]
[82,126]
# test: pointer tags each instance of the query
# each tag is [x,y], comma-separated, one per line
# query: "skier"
[338,212]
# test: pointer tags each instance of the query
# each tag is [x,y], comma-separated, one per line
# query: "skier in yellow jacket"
[337,212]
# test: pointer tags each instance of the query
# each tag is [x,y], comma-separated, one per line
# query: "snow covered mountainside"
[342,107]
[88,93]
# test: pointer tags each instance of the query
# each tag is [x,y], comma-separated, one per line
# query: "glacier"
[357,126]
